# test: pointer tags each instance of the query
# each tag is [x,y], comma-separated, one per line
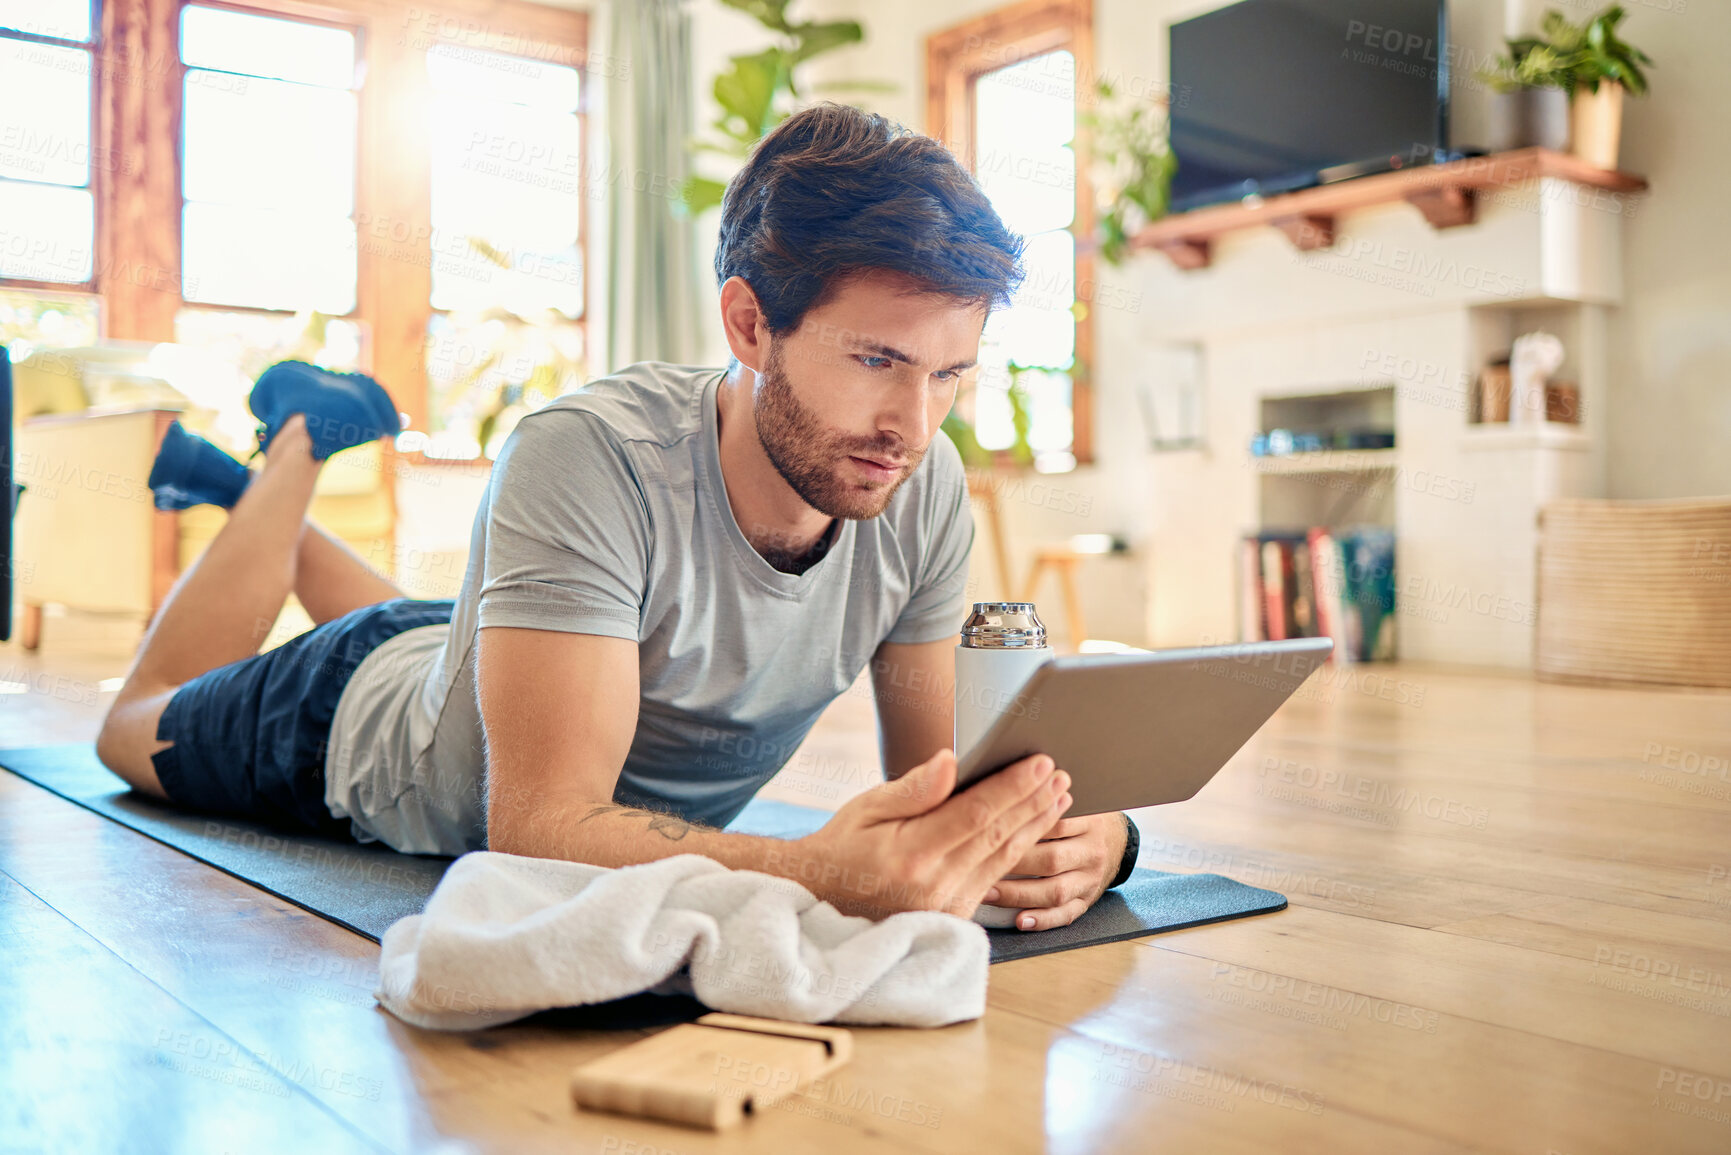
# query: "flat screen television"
[1273,95]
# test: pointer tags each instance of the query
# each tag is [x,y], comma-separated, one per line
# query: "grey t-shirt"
[607,514]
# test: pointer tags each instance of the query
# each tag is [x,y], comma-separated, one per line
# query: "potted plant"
[1605,66]
[525,357]
[1530,108]
[960,428]
[1591,63]
[759,89]
[1133,167]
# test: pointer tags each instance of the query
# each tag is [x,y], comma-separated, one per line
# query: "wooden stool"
[981,489]
[1064,559]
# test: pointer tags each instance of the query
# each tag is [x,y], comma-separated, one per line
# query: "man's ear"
[743,321]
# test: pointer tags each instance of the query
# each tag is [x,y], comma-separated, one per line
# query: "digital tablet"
[1142,729]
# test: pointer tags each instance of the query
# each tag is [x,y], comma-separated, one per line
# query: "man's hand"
[911,845]
[1074,862]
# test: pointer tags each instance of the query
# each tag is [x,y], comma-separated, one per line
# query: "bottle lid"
[1003,626]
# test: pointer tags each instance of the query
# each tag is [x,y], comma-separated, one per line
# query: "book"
[1275,564]
[1252,623]
[1327,568]
[1369,553]
[1301,603]
[1320,582]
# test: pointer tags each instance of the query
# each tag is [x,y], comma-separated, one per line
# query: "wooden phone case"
[712,1072]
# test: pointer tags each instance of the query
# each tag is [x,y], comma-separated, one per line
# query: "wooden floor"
[1510,930]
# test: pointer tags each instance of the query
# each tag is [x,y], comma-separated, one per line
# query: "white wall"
[1670,402]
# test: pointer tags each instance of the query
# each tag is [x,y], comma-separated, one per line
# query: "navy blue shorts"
[250,737]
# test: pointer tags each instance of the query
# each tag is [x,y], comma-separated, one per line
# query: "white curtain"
[653,301]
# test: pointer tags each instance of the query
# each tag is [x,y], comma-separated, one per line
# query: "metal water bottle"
[1003,643]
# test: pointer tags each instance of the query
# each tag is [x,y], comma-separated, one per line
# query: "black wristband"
[1132,844]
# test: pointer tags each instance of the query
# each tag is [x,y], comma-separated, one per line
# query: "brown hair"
[834,190]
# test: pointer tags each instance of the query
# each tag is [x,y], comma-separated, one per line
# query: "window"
[268,172]
[506,150]
[1004,98]
[1024,124]
[218,174]
[506,153]
[47,207]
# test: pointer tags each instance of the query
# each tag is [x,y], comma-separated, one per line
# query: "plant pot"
[1494,381]
[1529,118]
[1597,122]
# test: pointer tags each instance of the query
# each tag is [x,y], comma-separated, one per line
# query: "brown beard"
[812,458]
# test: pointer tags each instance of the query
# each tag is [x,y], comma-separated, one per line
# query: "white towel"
[504,936]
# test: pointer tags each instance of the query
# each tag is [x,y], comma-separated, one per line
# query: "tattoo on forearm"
[669,826]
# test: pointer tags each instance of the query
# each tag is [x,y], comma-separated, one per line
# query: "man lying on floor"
[674,570]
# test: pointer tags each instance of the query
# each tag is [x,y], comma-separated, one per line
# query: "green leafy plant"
[760,89]
[961,431]
[532,356]
[1535,67]
[1572,56]
[31,321]
[1134,167]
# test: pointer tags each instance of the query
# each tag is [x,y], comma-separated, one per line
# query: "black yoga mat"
[367,888]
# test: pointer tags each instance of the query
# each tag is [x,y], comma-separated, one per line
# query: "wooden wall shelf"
[1445,193]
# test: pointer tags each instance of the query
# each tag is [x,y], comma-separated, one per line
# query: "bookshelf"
[1312,508]
[1333,486]
[1386,328]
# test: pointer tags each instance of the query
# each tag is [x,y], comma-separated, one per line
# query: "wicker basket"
[1635,591]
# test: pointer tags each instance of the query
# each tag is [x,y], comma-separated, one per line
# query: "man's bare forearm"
[607,834]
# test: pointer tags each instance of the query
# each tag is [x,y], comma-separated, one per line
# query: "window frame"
[94,47]
[137,101]
[956,58]
[305,14]
[578,59]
